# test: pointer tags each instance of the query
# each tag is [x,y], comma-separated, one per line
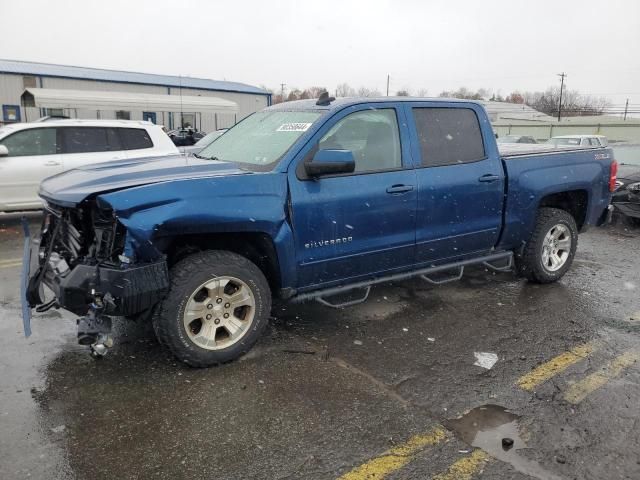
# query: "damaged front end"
[84,257]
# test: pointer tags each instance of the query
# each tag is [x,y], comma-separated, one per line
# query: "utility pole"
[387,85]
[626,107]
[561,75]
[282,91]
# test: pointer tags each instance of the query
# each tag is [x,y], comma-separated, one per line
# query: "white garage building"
[31,90]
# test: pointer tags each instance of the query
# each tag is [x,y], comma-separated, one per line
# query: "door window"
[135,138]
[36,141]
[372,136]
[89,139]
[448,136]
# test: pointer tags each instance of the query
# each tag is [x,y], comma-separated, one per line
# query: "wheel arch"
[258,247]
[574,202]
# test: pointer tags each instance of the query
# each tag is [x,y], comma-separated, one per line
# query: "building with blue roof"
[17,76]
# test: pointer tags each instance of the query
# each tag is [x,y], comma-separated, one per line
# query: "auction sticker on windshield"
[294,127]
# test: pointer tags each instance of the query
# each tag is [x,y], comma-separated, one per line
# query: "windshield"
[209,137]
[260,140]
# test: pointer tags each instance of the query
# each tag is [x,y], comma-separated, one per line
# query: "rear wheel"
[217,307]
[550,251]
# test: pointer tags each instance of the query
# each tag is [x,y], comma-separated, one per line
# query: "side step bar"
[493,262]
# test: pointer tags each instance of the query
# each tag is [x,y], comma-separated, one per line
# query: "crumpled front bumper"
[125,290]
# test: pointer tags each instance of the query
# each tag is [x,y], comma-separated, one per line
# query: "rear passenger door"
[460,181]
[86,145]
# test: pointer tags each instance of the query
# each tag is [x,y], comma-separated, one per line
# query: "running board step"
[504,268]
[443,280]
[492,261]
[348,303]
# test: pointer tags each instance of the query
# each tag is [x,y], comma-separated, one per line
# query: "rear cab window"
[448,136]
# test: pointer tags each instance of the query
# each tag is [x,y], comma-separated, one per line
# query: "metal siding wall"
[248,103]
[10,90]
[11,87]
[77,84]
[617,132]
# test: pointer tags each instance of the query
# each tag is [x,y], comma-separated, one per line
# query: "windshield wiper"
[208,158]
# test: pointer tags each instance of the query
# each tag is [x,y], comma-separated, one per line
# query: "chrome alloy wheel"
[556,247]
[219,313]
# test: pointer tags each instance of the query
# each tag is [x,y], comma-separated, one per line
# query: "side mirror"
[330,162]
[4,151]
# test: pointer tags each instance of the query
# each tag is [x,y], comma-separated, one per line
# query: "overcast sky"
[436,45]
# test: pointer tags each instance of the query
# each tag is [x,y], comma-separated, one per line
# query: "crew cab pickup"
[304,200]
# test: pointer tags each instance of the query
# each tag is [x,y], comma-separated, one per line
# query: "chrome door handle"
[399,189]
[51,163]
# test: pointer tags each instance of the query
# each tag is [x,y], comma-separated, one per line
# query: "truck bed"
[537,171]
[522,149]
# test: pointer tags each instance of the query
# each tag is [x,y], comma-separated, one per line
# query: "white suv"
[31,152]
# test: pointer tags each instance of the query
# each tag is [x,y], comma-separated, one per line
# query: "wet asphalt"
[326,390]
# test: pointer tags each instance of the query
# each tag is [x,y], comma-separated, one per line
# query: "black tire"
[186,276]
[530,262]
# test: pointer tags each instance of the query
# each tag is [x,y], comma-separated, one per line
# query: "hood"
[73,186]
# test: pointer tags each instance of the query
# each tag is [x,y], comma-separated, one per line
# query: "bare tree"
[515,97]
[314,92]
[465,93]
[367,92]
[345,90]
[294,94]
[423,92]
[573,103]
[403,93]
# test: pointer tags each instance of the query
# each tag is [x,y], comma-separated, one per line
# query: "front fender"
[233,204]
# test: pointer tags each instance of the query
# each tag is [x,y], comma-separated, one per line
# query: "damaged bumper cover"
[130,289]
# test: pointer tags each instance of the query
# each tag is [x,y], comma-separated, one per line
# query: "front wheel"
[549,252]
[217,307]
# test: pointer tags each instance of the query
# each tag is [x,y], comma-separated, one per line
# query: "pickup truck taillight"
[613,173]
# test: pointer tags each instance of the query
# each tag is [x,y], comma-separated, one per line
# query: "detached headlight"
[634,187]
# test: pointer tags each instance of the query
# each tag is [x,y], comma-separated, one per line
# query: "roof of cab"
[342,102]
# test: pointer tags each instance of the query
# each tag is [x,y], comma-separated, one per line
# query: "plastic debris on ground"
[485,359]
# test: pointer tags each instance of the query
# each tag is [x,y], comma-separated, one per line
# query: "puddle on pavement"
[485,427]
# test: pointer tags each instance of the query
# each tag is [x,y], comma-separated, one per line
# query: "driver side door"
[361,224]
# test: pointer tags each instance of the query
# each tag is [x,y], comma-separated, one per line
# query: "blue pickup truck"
[315,199]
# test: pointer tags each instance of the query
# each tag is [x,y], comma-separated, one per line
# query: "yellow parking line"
[466,467]
[395,458]
[10,265]
[10,260]
[558,364]
[579,390]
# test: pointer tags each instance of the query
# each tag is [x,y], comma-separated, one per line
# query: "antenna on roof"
[325,99]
